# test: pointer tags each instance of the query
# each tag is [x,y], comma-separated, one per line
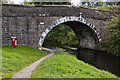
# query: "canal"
[100,59]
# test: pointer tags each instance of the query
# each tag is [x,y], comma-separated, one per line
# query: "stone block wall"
[24,21]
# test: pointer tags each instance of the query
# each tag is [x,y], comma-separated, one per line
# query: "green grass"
[63,65]
[0,63]
[110,8]
[21,57]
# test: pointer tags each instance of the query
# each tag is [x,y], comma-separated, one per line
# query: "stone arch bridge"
[31,24]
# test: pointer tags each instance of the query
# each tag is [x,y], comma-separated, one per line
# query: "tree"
[113,39]
[3,1]
[47,2]
[62,34]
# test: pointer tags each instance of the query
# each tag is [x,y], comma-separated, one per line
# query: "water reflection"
[100,60]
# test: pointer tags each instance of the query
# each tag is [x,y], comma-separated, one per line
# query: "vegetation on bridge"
[113,39]
[19,58]
[47,3]
[64,65]
[110,8]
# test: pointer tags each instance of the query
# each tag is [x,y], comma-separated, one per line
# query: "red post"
[14,42]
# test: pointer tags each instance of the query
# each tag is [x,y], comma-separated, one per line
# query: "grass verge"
[63,65]
[15,60]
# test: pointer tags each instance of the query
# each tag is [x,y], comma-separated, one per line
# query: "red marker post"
[13,42]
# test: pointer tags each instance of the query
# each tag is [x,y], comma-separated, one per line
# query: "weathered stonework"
[30,24]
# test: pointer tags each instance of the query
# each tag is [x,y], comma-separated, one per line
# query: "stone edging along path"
[26,72]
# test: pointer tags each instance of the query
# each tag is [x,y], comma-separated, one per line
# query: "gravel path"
[26,72]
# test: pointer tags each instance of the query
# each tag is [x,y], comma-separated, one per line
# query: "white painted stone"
[88,24]
[66,19]
[44,34]
[40,43]
[80,15]
[41,23]
[47,30]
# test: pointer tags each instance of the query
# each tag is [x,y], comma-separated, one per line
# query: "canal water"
[100,59]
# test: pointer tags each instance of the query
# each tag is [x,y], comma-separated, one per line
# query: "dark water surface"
[99,59]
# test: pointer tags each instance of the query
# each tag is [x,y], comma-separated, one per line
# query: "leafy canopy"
[113,39]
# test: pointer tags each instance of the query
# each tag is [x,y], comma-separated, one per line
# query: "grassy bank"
[19,58]
[63,65]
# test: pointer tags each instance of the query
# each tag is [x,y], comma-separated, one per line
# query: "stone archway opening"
[60,36]
[87,34]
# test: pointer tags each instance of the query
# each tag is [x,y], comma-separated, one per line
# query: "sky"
[17,1]
[75,2]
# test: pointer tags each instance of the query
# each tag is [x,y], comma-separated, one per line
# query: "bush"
[111,8]
[113,39]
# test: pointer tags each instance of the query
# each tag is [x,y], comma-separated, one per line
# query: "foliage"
[3,1]
[64,65]
[19,58]
[112,8]
[0,63]
[47,3]
[98,4]
[28,3]
[62,34]
[113,39]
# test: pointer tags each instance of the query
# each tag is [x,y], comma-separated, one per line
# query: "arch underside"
[87,34]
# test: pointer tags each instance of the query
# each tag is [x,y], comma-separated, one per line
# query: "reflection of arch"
[66,19]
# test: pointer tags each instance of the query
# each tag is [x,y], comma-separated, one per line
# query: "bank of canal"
[100,59]
[64,65]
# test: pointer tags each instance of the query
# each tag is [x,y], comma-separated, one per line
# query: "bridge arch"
[71,19]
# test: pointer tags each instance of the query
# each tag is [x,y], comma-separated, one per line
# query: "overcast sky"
[75,2]
[18,1]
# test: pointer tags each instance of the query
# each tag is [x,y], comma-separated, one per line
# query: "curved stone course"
[67,19]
